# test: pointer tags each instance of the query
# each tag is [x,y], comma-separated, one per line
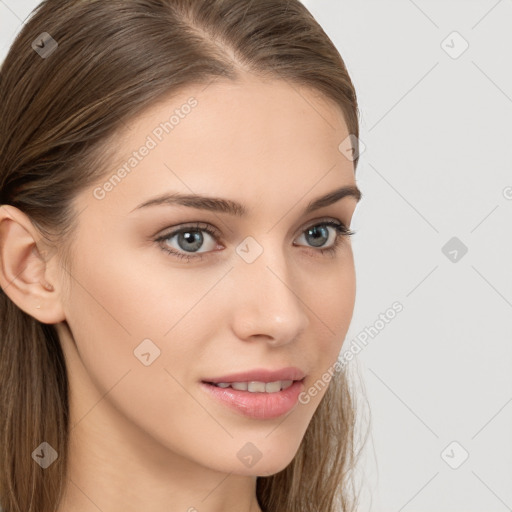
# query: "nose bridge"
[268,299]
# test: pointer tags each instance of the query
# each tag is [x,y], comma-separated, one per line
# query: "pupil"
[318,237]
[189,236]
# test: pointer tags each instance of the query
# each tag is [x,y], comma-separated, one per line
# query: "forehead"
[249,138]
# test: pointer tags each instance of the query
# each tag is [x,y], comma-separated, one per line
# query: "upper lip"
[261,375]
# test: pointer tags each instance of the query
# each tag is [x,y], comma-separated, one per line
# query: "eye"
[190,239]
[318,235]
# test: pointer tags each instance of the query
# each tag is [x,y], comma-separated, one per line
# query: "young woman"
[177,184]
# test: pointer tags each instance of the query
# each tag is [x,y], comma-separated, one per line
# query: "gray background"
[436,123]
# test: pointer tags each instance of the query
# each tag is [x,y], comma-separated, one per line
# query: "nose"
[267,300]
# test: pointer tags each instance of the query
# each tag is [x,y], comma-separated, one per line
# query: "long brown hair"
[112,60]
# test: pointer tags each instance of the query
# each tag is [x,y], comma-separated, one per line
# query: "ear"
[24,271]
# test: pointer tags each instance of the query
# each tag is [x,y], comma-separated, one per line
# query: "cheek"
[331,316]
[334,303]
[130,294]
[124,314]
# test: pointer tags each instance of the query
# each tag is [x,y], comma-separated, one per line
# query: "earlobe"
[23,270]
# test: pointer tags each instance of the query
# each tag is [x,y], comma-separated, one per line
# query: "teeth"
[270,387]
[256,386]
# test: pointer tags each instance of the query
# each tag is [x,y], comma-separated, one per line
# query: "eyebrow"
[231,207]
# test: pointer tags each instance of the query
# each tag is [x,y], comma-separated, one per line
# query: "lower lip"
[261,406]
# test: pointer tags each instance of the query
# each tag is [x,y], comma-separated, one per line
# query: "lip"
[261,406]
[260,375]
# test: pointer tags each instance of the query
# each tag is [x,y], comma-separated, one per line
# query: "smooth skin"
[149,437]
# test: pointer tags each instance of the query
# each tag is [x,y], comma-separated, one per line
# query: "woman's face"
[147,327]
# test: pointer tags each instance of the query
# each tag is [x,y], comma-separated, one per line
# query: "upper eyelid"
[199,226]
[206,226]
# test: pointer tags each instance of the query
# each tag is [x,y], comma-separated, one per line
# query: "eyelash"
[341,232]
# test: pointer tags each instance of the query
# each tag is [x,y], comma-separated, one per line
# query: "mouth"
[256,399]
[259,376]
[255,386]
